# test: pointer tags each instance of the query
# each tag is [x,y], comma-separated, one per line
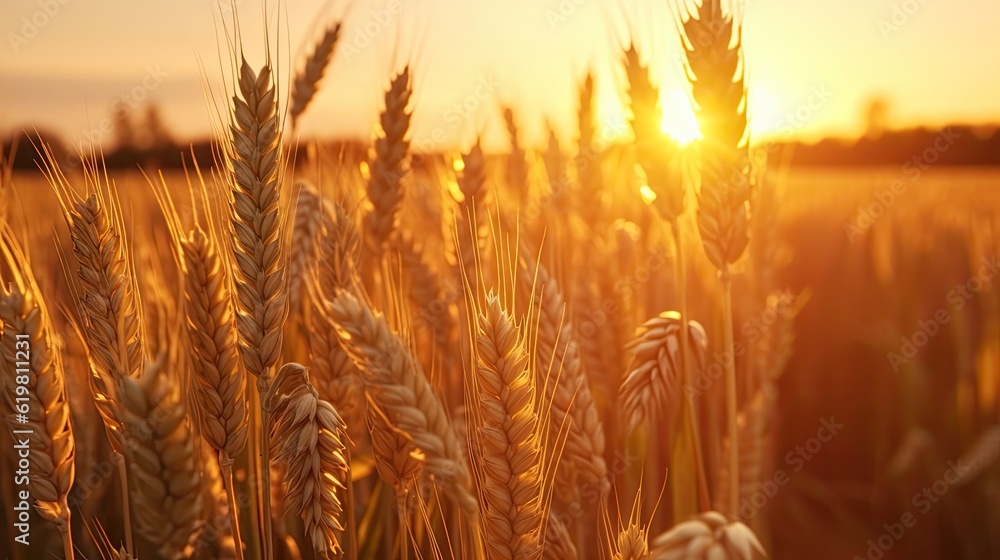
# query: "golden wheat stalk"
[36,389]
[713,42]
[425,290]
[385,185]
[557,544]
[167,481]
[398,388]
[109,311]
[215,363]
[517,164]
[254,153]
[631,543]
[652,387]
[559,369]
[507,440]
[306,82]
[472,218]
[654,150]
[707,537]
[307,438]
[254,156]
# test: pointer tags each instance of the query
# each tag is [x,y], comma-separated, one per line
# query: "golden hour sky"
[812,64]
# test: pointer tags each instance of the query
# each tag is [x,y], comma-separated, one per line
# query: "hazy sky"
[812,64]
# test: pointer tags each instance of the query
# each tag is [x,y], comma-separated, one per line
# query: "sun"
[678,120]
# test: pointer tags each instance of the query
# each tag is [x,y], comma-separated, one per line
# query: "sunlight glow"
[647,194]
[678,120]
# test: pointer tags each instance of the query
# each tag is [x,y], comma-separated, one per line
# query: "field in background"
[876,268]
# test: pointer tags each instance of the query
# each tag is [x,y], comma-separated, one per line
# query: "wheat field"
[633,350]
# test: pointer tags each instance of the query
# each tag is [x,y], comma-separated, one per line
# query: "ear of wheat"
[506,433]
[109,310]
[25,324]
[707,537]
[517,163]
[559,369]
[558,543]
[653,149]
[307,437]
[713,43]
[219,383]
[631,543]
[254,157]
[167,488]
[425,290]
[652,386]
[397,386]
[385,186]
[472,218]
[307,81]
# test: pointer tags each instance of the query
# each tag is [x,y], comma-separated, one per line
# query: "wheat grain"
[256,222]
[306,82]
[307,437]
[631,543]
[708,537]
[651,389]
[425,291]
[559,370]
[385,186]
[506,433]
[713,44]
[558,544]
[167,482]
[220,386]
[397,386]
[33,351]
[654,151]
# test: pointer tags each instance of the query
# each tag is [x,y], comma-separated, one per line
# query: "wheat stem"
[734,454]
[234,522]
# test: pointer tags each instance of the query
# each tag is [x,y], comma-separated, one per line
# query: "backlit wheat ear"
[219,384]
[25,326]
[307,226]
[559,369]
[653,149]
[109,311]
[425,289]
[167,483]
[507,438]
[471,227]
[651,391]
[385,186]
[713,44]
[707,537]
[558,544]
[307,81]
[307,437]
[517,164]
[254,158]
[397,386]
[631,543]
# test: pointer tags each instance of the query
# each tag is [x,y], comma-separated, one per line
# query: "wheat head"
[254,154]
[559,369]
[385,185]
[507,438]
[52,447]
[164,464]
[396,386]
[219,383]
[707,537]
[712,41]
[651,389]
[306,82]
[307,437]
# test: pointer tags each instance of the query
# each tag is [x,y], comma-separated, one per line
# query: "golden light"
[458,164]
[647,194]
[679,121]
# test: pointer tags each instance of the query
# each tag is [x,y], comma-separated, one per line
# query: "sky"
[812,65]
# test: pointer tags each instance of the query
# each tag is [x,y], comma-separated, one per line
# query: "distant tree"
[876,117]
